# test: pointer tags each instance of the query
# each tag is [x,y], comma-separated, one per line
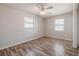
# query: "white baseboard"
[59,37]
[17,43]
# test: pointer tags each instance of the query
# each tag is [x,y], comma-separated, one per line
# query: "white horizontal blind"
[59,25]
[28,22]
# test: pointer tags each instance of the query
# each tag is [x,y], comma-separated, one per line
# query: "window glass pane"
[28,22]
[60,28]
[60,21]
[26,19]
[28,25]
[59,24]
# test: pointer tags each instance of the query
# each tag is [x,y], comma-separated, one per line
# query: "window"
[59,25]
[28,22]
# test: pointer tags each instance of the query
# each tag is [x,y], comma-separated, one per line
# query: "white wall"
[12,29]
[68,27]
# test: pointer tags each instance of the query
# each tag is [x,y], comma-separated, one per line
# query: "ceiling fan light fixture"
[42,12]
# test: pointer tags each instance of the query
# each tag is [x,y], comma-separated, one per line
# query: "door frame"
[75,39]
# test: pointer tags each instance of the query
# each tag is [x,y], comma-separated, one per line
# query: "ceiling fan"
[44,7]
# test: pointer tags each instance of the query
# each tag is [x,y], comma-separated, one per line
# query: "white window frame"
[59,25]
[27,22]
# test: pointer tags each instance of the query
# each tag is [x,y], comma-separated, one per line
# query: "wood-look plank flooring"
[42,47]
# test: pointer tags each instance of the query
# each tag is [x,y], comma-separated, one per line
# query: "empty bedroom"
[38,29]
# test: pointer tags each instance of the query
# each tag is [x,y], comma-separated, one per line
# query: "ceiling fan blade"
[43,7]
[40,6]
[50,7]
